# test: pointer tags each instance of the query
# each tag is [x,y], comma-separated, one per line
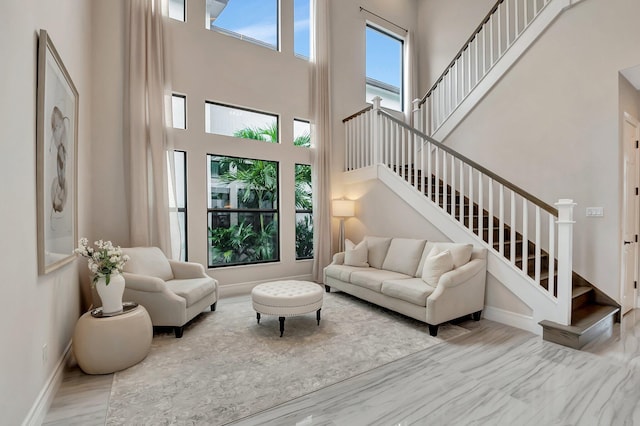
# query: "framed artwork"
[56,159]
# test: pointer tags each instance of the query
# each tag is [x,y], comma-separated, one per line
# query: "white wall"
[37,310]
[443,27]
[551,125]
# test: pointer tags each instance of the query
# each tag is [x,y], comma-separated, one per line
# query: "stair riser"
[582,300]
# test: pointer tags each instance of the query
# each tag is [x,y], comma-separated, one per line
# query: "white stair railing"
[501,29]
[526,232]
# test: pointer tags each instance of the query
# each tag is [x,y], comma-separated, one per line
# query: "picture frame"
[56,159]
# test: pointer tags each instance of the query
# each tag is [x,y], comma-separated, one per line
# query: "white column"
[565,258]
[376,136]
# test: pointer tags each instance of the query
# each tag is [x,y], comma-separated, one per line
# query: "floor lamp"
[343,209]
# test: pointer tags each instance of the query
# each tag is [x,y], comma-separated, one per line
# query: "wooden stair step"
[587,323]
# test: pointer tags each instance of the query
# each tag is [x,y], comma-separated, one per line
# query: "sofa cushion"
[356,255]
[373,278]
[342,272]
[377,247]
[412,290]
[403,255]
[461,253]
[149,261]
[193,290]
[437,263]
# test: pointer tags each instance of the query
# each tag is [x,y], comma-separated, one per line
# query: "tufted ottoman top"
[287,298]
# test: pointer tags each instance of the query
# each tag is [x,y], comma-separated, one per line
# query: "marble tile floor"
[493,375]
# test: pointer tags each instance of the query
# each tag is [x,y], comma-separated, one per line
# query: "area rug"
[227,366]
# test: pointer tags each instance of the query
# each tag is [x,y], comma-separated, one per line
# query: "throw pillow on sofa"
[356,255]
[435,265]
[461,253]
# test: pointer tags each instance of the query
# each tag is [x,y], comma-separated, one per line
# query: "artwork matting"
[56,159]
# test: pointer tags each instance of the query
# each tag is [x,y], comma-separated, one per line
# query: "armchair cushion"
[149,261]
[193,289]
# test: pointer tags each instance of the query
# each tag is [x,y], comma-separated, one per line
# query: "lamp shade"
[343,208]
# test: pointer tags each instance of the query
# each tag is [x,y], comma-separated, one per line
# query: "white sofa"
[394,280]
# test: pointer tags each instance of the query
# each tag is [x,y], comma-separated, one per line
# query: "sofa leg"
[178,331]
[327,288]
[433,330]
[213,307]
[476,315]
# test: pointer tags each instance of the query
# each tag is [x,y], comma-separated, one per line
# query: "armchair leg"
[327,288]
[178,331]
[213,307]
[476,315]
[433,330]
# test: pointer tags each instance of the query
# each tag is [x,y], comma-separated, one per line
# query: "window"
[242,211]
[384,68]
[252,20]
[301,133]
[180,206]
[240,123]
[179,111]
[302,28]
[177,10]
[304,213]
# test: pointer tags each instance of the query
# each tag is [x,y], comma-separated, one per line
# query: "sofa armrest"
[143,283]
[187,270]
[459,292]
[338,259]
[462,274]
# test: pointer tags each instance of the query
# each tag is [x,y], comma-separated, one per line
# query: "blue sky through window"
[257,19]
[301,27]
[384,58]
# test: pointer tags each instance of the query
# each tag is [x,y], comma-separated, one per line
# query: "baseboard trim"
[513,319]
[239,289]
[40,407]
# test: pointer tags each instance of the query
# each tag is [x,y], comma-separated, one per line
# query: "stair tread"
[584,318]
[578,291]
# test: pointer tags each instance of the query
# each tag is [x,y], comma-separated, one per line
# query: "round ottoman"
[109,344]
[287,299]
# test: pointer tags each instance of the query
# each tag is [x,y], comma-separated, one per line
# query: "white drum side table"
[104,345]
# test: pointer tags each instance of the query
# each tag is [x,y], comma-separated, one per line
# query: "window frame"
[386,32]
[275,211]
[303,211]
[184,209]
[184,98]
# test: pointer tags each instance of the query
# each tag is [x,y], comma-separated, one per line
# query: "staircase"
[529,241]
[592,313]
[503,36]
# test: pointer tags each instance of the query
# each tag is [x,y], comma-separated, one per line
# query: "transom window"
[252,20]
[240,123]
[242,211]
[384,68]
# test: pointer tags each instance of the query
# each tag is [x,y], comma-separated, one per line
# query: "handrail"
[535,200]
[362,111]
[464,47]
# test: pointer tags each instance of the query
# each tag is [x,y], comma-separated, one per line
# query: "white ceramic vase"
[111,294]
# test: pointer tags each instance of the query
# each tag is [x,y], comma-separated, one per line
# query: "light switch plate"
[595,211]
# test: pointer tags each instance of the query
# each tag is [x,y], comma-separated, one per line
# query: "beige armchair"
[172,292]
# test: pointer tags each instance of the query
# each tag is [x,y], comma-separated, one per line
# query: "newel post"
[565,258]
[415,115]
[376,131]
